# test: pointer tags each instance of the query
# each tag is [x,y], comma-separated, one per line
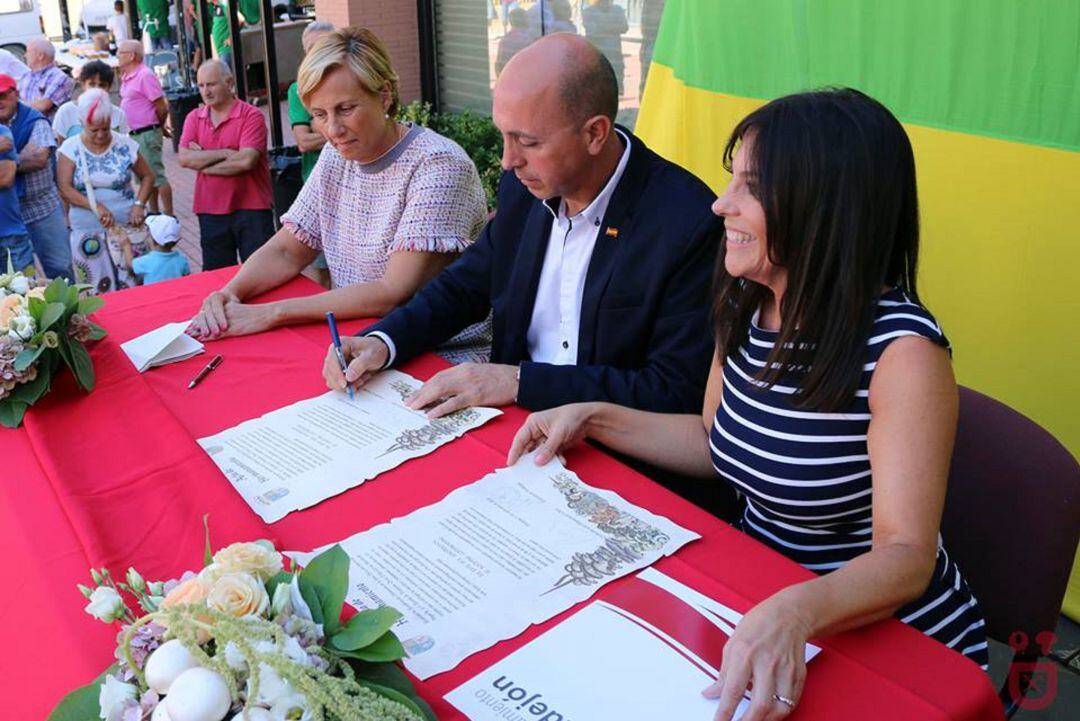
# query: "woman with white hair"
[95,178]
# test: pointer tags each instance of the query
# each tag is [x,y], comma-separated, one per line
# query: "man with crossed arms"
[596,267]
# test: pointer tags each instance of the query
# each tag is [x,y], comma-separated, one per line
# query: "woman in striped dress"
[831,404]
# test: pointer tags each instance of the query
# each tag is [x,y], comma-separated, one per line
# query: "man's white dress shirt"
[553,331]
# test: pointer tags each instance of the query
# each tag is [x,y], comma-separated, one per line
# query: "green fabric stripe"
[1002,68]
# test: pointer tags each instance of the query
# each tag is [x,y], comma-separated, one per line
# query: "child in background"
[164,261]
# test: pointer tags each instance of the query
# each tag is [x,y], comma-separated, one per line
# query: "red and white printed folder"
[646,650]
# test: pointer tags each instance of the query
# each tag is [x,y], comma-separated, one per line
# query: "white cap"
[164,229]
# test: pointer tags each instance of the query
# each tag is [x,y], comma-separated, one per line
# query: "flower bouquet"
[41,326]
[244,640]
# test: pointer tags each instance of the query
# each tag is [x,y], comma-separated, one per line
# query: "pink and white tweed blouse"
[423,195]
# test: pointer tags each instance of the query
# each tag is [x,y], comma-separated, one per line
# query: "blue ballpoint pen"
[336,339]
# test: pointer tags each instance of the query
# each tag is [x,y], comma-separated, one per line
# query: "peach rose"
[255,558]
[10,307]
[192,590]
[238,594]
[38,293]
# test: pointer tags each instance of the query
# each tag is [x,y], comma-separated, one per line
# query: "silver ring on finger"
[784,700]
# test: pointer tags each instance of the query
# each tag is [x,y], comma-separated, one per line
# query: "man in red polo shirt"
[225,141]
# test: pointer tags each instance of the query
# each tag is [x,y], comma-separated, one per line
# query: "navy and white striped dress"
[805,475]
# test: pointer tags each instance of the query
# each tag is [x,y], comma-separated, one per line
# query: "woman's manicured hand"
[211,321]
[550,432]
[766,654]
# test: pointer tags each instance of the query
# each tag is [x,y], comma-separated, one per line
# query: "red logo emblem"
[1033,684]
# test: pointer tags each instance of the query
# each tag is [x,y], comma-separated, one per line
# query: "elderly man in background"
[34,141]
[147,113]
[225,141]
[46,87]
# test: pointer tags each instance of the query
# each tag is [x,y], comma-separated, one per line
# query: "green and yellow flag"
[989,91]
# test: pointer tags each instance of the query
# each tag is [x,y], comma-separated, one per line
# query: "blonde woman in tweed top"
[390,205]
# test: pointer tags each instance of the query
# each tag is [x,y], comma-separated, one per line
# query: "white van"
[20,20]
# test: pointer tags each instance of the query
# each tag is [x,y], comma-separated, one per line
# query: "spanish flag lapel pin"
[611,232]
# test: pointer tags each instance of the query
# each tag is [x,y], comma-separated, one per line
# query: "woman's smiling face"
[746,248]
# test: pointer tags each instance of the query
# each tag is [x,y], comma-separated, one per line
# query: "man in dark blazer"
[597,266]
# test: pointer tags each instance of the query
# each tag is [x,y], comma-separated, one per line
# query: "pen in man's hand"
[214,363]
[336,339]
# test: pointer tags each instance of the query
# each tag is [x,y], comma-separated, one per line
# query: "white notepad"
[167,344]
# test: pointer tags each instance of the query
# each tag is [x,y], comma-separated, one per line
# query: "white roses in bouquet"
[16,323]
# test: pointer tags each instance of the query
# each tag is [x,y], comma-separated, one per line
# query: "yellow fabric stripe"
[1000,223]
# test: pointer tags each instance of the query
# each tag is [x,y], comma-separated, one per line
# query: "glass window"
[476,38]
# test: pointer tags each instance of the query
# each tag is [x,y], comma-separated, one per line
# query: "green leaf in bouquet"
[56,291]
[37,307]
[389,675]
[276,580]
[325,581]
[28,393]
[90,304]
[311,598]
[386,648]
[50,315]
[26,357]
[78,360]
[208,550]
[12,412]
[96,331]
[71,297]
[82,703]
[365,628]
[414,703]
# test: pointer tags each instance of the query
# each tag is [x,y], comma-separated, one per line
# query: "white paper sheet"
[167,344]
[297,456]
[515,548]
[614,659]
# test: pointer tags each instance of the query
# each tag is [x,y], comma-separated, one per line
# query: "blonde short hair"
[361,52]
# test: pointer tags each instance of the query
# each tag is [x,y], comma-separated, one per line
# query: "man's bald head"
[554,105]
[39,53]
[584,80]
[216,69]
[215,81]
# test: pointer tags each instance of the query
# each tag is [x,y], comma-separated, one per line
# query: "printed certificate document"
[515,548]
[646,650]
[297,456]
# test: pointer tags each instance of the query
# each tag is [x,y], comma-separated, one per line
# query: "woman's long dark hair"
[836,179]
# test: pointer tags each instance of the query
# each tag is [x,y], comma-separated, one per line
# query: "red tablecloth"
[116,479]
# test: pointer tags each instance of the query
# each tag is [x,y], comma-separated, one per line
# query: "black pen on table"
[337,349]
[214,363]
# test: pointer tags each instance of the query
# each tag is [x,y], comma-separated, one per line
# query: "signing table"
[116,479]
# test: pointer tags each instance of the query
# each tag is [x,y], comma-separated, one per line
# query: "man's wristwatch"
[138,203]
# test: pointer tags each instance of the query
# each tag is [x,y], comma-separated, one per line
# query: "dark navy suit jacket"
[645,338]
